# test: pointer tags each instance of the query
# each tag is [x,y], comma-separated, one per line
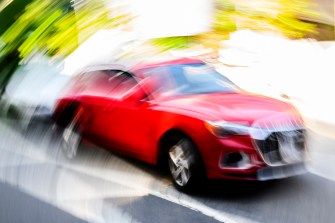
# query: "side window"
[95,83]
[162,78]
[125,82]
[100,83]
[107,83]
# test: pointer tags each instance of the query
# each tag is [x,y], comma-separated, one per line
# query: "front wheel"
[185,163]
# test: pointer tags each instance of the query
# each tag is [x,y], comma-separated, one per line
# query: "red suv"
[184,114]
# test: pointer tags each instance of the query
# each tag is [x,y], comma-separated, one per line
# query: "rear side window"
[97,83]
[101,83]
[125,82]
[106,83]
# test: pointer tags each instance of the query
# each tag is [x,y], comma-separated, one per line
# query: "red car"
[184,114]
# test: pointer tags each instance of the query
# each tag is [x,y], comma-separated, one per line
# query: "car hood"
[241,108]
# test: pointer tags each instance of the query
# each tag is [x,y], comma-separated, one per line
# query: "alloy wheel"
[179,164]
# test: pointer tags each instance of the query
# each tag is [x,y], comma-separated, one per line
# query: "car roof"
[133,66]
[167,62]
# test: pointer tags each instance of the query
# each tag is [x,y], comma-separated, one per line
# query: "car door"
[94,96]
[130,120]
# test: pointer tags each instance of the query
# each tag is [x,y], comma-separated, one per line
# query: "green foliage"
[10,11]
[53,27]
[168,43]
[29,31]
[49,26]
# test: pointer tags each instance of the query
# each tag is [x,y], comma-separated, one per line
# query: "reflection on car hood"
[235,107]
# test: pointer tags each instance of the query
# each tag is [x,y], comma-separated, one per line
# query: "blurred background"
[280,48]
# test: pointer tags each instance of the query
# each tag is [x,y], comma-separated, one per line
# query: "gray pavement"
[101,187]
[17,207]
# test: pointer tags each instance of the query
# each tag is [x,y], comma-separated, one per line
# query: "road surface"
[38,183]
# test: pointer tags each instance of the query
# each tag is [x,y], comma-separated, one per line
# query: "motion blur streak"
[74,188]
[220,89]
[32,162]
[37,167]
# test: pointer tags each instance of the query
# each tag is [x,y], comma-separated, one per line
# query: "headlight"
[223,129]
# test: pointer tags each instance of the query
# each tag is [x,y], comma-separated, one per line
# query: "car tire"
[71,140]
[185,164]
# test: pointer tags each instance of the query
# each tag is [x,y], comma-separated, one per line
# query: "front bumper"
[257,169]
[280,172]
[218,166]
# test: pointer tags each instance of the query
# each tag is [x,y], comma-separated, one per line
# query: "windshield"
[185,79]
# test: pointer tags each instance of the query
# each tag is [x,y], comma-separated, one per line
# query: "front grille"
[282,147]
